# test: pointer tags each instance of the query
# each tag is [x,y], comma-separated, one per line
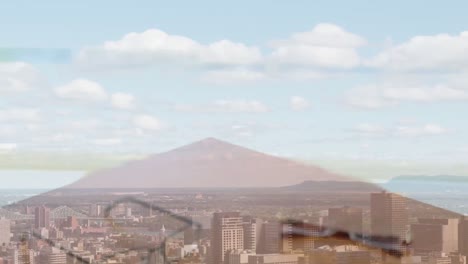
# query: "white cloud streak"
[82,90]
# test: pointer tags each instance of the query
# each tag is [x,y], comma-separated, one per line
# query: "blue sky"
[328,80]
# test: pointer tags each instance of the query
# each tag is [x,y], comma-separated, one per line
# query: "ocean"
[16,185]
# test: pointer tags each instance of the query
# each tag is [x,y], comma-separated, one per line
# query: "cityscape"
[233,132]
[316,221]
[384,228]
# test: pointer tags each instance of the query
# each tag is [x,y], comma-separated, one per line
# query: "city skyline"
[96,230]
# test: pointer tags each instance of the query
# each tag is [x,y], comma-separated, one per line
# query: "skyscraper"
[463,236]
[252,232]
[227,234]
[4,231]
[271,238]
[389,215]
[42,217]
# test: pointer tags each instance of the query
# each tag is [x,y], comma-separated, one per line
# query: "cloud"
[383,95]
[107,141]
[304,55]
[5,147]
[298,103]
[442,52]
[123,101]
[83,125]
[225,106]
[372,130]
[325,46]
[18,77]
[7,130]
[147,122]
[82,90]
[155,46]
[428,129]
[233,76]
[251,106]
[20,114]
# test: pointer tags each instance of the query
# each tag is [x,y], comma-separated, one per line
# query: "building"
[389,216]
[347,219]
[271,240]
[42,217]
[238,256]
[274,259]
[252,232]
[344,254]
[302,235]
[23,255]
[50,255]
[439,258]
[351,255]
[95,210]
[227,234]
[5,231]
[200,228]
[72,222]
[463,236]
[435,235]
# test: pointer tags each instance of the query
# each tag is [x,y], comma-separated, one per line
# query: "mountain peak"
[207,163]
[211,141]
[210,148]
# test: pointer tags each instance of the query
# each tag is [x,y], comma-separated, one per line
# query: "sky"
[356,81]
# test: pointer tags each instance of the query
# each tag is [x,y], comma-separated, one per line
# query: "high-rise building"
[5,231]
[435,235]
[42,217]
[252,232]
[347,219]
[389,215]
[226,234]
[463,236]
[271,238]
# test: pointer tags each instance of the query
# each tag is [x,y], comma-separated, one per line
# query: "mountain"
[209,163]
[334,186]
